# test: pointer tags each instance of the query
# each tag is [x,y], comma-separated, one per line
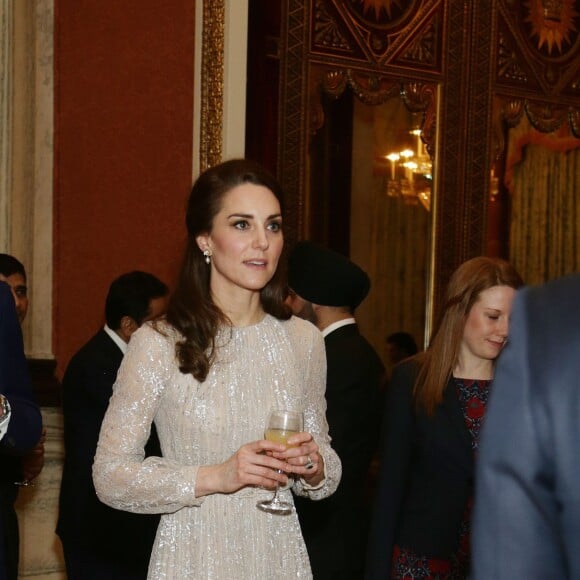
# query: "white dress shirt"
[116,339]
[336,325]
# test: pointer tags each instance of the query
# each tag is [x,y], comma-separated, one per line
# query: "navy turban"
[324,277]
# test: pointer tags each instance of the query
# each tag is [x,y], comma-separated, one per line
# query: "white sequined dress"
[273,364]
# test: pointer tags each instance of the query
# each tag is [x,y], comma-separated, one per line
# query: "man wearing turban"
[326,288]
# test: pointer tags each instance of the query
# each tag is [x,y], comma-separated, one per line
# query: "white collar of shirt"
[116,339]
[336,325]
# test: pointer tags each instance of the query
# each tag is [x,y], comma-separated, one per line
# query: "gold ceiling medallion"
[380,12]
[212,84]
[377,6]
[552,22]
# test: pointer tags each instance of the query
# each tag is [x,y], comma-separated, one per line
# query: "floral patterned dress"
[473,396]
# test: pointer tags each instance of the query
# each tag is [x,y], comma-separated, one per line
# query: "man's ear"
[127,327]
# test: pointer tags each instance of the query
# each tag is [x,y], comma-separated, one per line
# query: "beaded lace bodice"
[271,364]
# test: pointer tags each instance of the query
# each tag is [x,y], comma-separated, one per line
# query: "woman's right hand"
[252,464]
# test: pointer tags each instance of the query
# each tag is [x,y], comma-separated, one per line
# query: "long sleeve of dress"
[205,423]
[315,422]
[123,478]
[273,364]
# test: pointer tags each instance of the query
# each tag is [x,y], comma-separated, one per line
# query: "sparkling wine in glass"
[282,424]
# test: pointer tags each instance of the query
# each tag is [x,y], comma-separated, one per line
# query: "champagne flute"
[282,424]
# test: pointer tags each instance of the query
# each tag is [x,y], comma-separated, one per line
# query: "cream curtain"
[399,265]
[389,235]
[545,214]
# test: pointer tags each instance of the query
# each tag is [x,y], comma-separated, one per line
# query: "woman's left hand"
[303,458]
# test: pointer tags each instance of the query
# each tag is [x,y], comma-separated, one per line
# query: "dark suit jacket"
[25,424]
[23,431]
[527,503]
[84,522]
[335,528]
[426,476]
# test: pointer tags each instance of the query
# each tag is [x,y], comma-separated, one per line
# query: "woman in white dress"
[208,376]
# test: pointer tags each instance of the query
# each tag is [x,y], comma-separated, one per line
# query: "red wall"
[123,151]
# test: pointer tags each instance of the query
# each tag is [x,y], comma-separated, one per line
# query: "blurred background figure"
[400,345]
[434,411]
[326,288]
[17,471]
[13,273]
[98,541]
[22,432]
[527,505]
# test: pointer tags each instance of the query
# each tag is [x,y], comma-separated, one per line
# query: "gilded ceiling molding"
[212,83]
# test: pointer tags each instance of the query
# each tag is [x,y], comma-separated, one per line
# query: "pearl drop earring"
[207,254]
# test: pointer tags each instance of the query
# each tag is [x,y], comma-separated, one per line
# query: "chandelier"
[411,174]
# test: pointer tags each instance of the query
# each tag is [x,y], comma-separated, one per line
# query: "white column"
[40,548]
[26,160]
[6,33]
[40,342]
[235,65]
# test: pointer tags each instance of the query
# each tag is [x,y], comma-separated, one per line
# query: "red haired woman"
[435,409]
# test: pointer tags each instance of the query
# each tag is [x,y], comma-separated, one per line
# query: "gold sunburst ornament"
[378,5]
[552,22]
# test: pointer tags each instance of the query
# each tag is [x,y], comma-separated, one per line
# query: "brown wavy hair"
[465,286]
[191,309]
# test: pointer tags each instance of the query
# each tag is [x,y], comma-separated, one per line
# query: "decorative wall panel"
[490,61]
[537,62]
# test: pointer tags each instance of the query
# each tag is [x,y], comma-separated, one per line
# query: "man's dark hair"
[129,295]
[404,341]
[9,266]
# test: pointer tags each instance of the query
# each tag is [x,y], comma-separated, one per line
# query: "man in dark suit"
[24,422]
[16,470]
[527,503]
[326,288]
[99,541]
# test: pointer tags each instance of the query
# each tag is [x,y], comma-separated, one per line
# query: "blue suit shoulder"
[25,425]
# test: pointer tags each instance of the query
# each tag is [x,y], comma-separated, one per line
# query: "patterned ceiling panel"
[539,48]
[379,33]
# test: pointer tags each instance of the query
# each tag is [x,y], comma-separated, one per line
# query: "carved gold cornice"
[544,117]
[421,98]
[212,83]
[373,89]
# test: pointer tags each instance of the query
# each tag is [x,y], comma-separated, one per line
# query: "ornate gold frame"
[212,83]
